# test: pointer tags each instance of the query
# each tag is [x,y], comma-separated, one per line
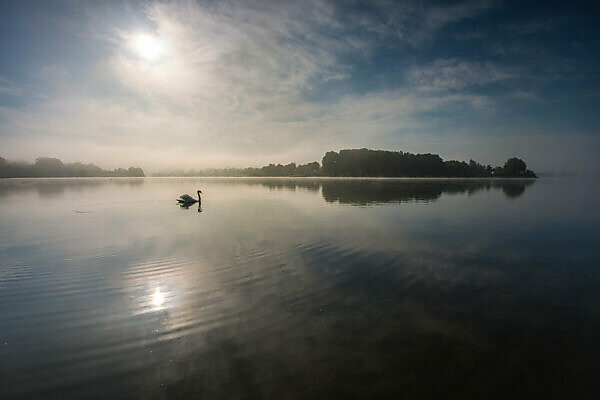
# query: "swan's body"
[187,199]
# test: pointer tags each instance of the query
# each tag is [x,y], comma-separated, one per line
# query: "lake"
[299,289]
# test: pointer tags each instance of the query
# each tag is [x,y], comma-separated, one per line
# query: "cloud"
[229,90]
[469,35]
[7,87]
[418,22]
[455,74]
[534,26]
[231,62]
[231,87]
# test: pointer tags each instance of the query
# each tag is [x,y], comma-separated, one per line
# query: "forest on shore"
[46,167]
[375,163]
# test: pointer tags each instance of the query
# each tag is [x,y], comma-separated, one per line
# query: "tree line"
[345,163]
[45,167]
[375,163]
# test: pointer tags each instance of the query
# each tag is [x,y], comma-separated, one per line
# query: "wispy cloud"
[231,87]
[419,22]
[534,26]
[455,74]
[7,87]
[242,83]
[469,35]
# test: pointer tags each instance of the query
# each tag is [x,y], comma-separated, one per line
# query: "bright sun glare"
[149,47]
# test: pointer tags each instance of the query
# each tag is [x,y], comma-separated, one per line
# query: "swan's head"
[199,191]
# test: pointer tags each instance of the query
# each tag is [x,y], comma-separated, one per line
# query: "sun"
[149,47]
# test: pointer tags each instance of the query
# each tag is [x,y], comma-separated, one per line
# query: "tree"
[329,163]
[515,167]
[47,166]
[310,169]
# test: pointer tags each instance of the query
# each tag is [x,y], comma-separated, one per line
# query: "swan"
[187,199]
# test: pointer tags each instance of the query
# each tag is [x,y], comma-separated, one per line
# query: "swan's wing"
[186,197]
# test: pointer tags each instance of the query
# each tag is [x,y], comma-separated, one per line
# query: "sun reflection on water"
[157,298]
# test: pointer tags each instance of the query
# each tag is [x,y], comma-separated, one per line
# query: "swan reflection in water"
[187,206]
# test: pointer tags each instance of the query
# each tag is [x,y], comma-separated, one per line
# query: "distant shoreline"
[345,177]
[373,163]
[46,167]
[365,178]
[351,163]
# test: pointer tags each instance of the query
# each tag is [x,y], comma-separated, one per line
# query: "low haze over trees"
[310,169]
[376,163]
[346,163]
[53,167]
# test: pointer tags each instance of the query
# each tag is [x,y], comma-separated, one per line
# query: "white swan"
[187,199]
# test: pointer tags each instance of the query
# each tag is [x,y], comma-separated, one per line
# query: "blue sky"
[195,84]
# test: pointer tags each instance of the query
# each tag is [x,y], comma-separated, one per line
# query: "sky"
[202,84]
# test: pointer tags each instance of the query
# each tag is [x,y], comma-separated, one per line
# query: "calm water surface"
[299,289]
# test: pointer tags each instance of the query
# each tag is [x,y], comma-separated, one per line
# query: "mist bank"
[374,163]
[45,167]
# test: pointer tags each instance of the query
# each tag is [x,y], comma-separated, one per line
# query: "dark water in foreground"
[283,289]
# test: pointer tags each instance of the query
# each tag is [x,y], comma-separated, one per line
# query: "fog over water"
[299,288]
